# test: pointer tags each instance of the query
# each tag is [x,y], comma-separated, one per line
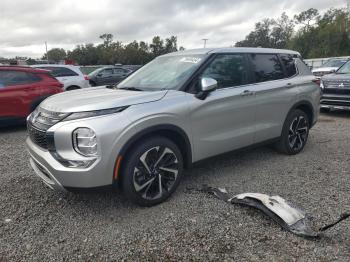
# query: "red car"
[22,89]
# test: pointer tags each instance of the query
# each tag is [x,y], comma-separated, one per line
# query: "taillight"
[86,77]
[317,81]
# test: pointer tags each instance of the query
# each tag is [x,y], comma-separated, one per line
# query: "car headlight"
[80,115]
[85,141]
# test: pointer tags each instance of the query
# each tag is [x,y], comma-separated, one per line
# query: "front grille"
[37,136]
[340,87]
[337,84]
[39,122]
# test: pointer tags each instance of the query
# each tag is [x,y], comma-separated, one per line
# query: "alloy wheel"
[155,172]
[298,132]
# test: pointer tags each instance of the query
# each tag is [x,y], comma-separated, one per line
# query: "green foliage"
[310,33]
[56,54]
[115,52]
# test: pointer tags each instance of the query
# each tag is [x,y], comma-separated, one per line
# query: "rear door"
[17,91]
[119,74]
[106,77]
[224,121]
[274,90]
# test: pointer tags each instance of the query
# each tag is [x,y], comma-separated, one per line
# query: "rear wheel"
[152,171]
[294,134]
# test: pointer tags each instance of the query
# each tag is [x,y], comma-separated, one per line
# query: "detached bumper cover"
[283,213]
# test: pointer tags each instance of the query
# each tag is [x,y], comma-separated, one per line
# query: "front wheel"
[295,133]
[152,171]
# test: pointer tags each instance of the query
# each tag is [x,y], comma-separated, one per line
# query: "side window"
[13,78]
[228,70]
[118,71]
[289,65]
[60,71]
[107,72]
[266,67]
[66,72]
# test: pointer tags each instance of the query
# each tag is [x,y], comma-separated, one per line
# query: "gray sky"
[26,24]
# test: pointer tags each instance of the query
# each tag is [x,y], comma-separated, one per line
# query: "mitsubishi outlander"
[180,108]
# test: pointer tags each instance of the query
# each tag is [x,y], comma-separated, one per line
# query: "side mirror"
[99,75]
[207,85]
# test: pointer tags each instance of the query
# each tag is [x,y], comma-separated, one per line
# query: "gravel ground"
[37,223]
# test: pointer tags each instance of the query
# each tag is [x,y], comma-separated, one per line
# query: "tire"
[147,166]
[325,110]
[70,88]
[92,83]
[295,133]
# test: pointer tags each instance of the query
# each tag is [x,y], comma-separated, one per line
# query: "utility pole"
[205,41]
[47,55]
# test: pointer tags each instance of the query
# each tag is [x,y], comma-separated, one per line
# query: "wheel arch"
[307,108]
[172,132]
[73,87]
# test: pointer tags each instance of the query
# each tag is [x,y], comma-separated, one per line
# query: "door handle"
[247,93]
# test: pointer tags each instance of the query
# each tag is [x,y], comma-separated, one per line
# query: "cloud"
[26,25]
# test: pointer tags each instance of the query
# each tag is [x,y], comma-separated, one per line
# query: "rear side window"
[60,71]
[228,70]
[289,64]
[14,78]
[119,71]
[266,67]
[107,72]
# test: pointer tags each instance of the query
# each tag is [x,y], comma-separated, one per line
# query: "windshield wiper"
[130,88]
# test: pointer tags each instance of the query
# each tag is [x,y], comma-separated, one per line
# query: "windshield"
[345,69]
[334,63]
[167,72]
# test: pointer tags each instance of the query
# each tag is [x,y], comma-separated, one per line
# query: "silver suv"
[178,109]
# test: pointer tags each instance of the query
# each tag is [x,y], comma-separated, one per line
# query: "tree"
[270,33]
[56,54]
[306,17]
[157,46]
[327,36]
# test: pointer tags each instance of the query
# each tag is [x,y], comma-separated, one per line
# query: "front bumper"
[335,101]
[58,177]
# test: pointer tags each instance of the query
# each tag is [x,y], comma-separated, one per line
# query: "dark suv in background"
[336,89]
[108,75]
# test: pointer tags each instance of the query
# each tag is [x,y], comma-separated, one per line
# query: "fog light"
[85,141]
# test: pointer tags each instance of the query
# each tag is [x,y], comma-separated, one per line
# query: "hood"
[324,69]
[338,77]
[97,98]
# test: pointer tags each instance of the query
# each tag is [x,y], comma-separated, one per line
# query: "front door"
[225,120]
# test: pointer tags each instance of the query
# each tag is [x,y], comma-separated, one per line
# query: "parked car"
[69,75]
[336,89]
[329,67]
[108,75]
[21,91]
[179,109]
